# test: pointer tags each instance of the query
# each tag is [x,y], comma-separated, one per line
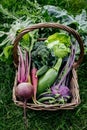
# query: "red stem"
[22,65]
[34,82]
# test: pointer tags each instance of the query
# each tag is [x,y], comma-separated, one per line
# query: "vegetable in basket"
[49,77]
[42,56]
[41,60]
[61,96]
[34,79]
[24,89]
[67,68]
[42,70]
[60,92]
[59,43]
[61,86]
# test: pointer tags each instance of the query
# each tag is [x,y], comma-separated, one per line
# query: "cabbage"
[61,50]
[59,43]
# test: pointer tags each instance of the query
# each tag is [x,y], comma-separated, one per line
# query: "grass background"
[11,116]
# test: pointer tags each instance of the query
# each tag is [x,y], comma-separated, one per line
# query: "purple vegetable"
[60,87]
[24,91]
[59,92]
[68,66]
[26,67]
[21,67]
[62,90]
[19,71]
[58,95]
[66,70]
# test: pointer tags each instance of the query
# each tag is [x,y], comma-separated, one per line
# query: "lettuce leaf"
[59,43]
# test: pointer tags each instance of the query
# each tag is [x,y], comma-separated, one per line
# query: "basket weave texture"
[74,87]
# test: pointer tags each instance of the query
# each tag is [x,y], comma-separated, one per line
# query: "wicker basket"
[74,87]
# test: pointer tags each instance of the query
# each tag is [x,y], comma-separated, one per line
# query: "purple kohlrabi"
[62,91]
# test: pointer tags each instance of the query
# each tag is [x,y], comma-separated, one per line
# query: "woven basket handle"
[49,25]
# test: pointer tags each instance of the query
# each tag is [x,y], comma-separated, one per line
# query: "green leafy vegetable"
[47,13]
[41,55]
[61,50]
[8,51]
[29,39]
[7,55]
[59,43]
[58,38]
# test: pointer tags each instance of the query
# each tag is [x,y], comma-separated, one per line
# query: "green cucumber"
[42,70]
[46,80]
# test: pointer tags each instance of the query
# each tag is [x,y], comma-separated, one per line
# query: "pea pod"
[49,77]
[43,99]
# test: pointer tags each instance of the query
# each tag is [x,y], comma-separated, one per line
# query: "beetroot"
[24,90]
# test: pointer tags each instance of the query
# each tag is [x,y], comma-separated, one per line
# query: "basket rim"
[49,25]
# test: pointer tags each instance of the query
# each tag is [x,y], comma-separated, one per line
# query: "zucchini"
[42,70]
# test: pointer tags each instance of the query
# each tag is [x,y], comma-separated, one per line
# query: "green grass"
[11,116]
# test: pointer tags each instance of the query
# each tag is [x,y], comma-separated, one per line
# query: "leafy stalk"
[68,65]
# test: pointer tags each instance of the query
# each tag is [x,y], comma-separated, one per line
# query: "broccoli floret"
[41,55]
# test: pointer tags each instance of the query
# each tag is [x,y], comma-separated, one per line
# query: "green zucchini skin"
[42,70]
[47,80]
